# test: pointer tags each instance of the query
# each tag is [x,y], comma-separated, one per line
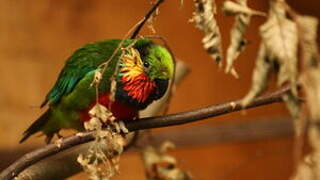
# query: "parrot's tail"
[36,126]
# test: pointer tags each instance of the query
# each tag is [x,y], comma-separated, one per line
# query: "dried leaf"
[309,168]
[311,85]
[106,151]
[294,107]
[97,78]
[93,124]
[260,76]
[280,37]
[238,42]
[101,112]
[205,21]
[113,89]
[308,26]
[162,166]
[232,8]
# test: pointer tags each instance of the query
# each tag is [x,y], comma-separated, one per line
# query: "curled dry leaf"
[205,21]
[311,75]
[107,146]
[294,107]
[237,33]
[162,166]
[260,75]
[308,26]
[101,112]
[309,168]
[97,78]
[243,15]
[113,88]
[105,150]
[311,84]
[93,124]
[232,8]
[279,46]
[280,36]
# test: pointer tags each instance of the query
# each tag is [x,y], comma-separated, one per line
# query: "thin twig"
[144,123]
[146,18]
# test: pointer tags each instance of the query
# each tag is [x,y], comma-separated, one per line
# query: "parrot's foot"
[123,127]
[58,142]
[59,135]
[120,127]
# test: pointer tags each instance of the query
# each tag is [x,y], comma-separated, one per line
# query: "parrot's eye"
[146,64]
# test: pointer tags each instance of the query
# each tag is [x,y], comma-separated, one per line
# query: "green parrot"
[141,73]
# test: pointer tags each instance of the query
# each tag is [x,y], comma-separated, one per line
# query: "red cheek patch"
[139,87]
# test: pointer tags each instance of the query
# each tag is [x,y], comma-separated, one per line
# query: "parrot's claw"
[59,135]
[58,142]
[117,127]
[123,127]
[120,127]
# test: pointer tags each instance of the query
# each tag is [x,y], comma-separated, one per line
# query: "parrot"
[142,70]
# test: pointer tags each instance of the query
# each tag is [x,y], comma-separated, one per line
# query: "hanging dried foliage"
[280,43]
[204,19]
[159,165]
[238,42]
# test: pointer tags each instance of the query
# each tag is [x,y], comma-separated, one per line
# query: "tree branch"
[203,113]
[144,123]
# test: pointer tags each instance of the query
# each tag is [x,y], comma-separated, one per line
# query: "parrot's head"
[145,73]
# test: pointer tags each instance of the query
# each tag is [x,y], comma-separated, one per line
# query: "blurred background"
[36,38]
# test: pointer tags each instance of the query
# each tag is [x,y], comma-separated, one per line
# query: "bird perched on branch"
[141,70]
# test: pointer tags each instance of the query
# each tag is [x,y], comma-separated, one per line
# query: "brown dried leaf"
[280,37]
[259,77]
[105,150]
[97,78]
[231,8]
[93,124]
[308,26]
[205,21]
[162,166]
[294,107]
[113,88]
[238,42]
[309,168]
[311,84]
[101,112]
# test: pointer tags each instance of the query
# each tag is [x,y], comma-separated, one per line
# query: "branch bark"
[144,123]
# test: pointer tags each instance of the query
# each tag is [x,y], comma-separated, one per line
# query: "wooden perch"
[144,123]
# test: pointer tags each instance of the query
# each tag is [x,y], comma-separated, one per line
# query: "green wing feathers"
[83,60]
